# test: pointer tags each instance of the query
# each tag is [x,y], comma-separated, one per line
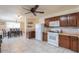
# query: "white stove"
[53,34]
[53,38]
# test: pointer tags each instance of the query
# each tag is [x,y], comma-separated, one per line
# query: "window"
[12,25]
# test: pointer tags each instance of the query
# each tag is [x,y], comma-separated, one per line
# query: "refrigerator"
[39,28]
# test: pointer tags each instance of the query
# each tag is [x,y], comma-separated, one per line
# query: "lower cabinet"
[0,47]
[69,42]
[74,43]
[45,36]
[64,41]
[31,34]
[78,44]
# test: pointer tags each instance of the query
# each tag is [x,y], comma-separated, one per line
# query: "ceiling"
[10,12]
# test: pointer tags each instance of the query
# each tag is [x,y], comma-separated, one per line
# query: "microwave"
[54,24]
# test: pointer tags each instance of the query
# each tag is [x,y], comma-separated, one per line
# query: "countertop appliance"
[39,28]
[53,34]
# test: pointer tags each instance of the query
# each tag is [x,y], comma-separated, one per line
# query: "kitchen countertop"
[69,34]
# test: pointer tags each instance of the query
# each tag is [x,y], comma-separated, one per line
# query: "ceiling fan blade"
[39,12]
[27,12]
[34,14]
[35,7]
[26,9]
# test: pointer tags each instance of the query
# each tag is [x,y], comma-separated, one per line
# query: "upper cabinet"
[64,21]
[48,20]
[78,19]
[72,20]
[68,20]
[56,18]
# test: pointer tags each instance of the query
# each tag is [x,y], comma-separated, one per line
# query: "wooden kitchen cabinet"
[64,41]
[51,19]
[74,43]
[64,21]
[78,19]
[30,34]
[72,20]
[45,36]
[68,20]
[47,22]
[56,18]
[69,42]
[78,44]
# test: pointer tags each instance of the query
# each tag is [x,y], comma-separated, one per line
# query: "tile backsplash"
[70,30]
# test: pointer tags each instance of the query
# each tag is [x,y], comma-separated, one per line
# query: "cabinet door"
[64,21]
[72,20]
[56,18]
[51,19]
[46,22]
[45,36]
[78,19]
[74,43]
[64,41]
[78,44]
[31,34]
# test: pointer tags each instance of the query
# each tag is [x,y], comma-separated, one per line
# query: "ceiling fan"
[34,10]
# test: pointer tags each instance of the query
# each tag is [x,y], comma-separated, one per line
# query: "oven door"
[53,38]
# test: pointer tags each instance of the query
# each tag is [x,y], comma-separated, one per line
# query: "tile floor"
[23,45]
